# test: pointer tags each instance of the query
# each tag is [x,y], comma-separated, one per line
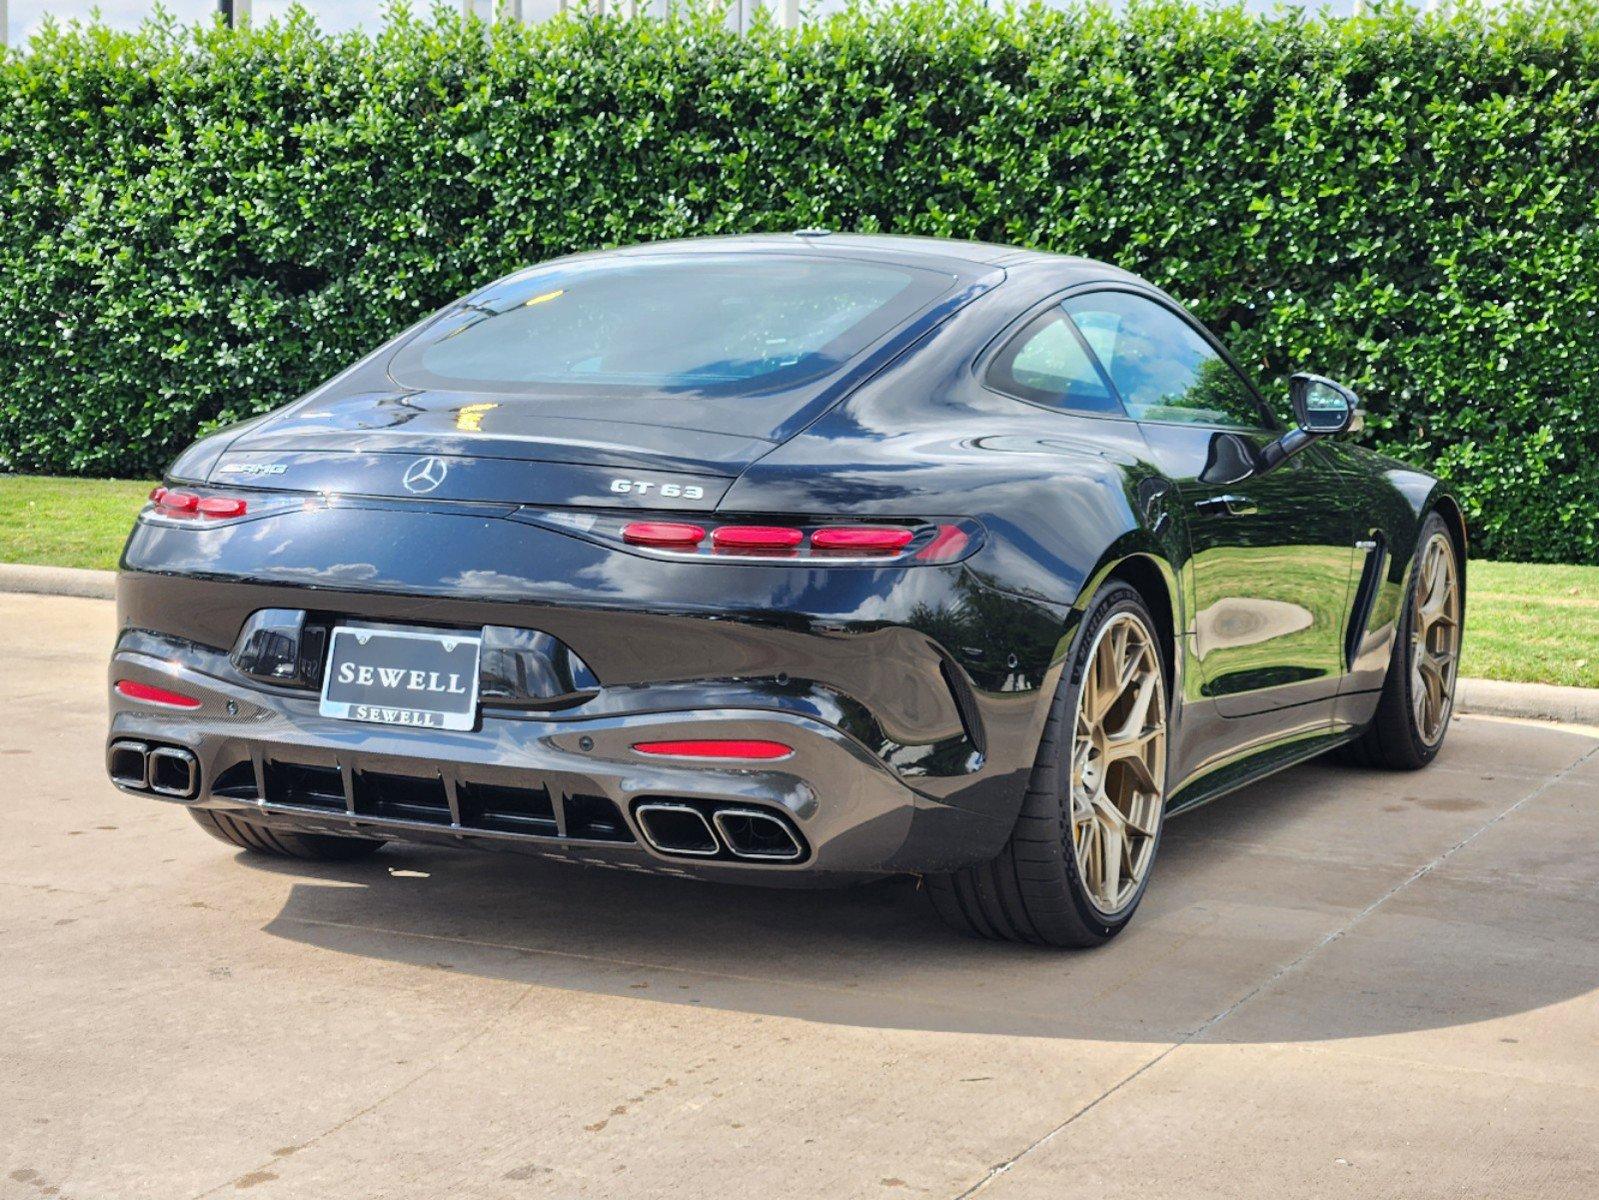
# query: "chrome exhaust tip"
[750,833]
[128,764]
[174,772]
[677,829]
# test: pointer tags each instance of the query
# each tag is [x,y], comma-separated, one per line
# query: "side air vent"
[1365,597]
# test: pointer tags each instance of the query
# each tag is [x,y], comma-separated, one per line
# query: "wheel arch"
[1143,568]
[1447,507]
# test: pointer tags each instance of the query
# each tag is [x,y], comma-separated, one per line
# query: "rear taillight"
[172,501]
[757,537]
[175,502]
[948,544]
[794,541]
[663,533]
[222,506]
[862,539]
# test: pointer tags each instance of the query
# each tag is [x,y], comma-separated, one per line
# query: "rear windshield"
[726,324]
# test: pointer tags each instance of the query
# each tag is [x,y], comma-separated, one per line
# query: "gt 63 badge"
[668,491]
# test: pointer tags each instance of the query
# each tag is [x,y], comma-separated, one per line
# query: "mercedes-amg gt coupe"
[785,559]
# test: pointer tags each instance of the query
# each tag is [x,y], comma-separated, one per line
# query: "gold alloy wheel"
[1434,638]
[1118,777]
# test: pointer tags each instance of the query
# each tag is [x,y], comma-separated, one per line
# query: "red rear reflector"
[221,506]
[663,533]
[716,749]
[756,537]
[862,539]
[950,543]
[134,690]
[179,501]
[157,492]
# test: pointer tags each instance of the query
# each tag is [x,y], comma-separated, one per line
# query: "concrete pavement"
[1342,983]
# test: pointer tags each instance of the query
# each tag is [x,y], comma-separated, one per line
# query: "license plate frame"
[383,674]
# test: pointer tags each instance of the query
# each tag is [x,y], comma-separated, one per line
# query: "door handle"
[1228,506]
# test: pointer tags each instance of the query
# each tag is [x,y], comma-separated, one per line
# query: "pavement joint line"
[1421,872]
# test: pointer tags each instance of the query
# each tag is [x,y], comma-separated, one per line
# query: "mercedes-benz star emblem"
[424,475]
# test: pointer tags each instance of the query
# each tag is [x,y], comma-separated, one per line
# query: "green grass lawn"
[67,522]
[1532,622]
[1536,623]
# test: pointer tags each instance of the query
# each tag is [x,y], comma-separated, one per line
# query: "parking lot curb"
[1491,697]
[1539,701]
[58,581]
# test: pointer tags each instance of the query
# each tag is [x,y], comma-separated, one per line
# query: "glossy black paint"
[914,693]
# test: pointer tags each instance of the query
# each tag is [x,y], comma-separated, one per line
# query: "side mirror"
[1322,408]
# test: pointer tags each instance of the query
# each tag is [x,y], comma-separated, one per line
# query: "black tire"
[247,835]
[1393,741]
[1032,891]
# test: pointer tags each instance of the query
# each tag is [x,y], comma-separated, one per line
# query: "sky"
[337,15]
[332,15]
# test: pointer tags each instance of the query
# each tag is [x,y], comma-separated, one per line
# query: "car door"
[1270,554]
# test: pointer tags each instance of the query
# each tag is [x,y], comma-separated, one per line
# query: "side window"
[1046,363]
[1161,366]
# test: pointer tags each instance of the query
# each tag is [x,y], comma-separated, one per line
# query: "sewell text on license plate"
[401,677]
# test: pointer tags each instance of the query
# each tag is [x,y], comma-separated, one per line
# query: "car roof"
[966,258]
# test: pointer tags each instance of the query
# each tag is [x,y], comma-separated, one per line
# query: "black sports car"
[785,559]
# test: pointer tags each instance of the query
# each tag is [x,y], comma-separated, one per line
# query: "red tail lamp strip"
[736,748]
[178,502]
[145,693]
[222,506]
[949,543]
[757,537]
[169,502]
[663,533]
[862,539]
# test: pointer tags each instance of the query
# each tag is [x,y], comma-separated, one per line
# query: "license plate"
[397,677]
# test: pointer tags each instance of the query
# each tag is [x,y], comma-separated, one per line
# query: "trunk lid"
[487,448]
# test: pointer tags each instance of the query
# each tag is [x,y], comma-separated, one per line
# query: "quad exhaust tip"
[750,833]
[128,764]
[677,829]
[173,772]
[684,829]
[165,770]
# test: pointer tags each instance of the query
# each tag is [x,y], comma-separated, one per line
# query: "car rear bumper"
[564,789]
[556,785]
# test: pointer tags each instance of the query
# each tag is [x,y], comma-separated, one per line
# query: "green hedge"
[195,226]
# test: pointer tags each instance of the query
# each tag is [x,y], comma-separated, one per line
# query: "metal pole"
[5,26]
[235,13]
[788,14]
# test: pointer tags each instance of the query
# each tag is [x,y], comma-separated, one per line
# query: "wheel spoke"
[1137,720]
[1131,745]
[1110,857]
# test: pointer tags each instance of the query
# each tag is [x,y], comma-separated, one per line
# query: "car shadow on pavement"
[1318,864]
